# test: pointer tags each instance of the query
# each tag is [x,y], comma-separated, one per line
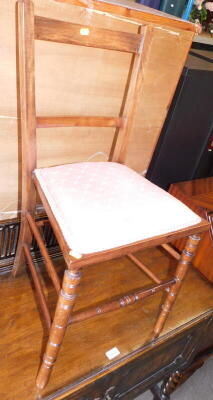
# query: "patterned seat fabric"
[103,205]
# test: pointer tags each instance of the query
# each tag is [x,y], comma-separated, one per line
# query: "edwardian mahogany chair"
[98,210]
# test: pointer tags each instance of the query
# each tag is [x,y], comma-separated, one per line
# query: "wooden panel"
[91,82]
[134,10]
[65,32]
[64,121]
[89,144]
[8,168]
[167,49]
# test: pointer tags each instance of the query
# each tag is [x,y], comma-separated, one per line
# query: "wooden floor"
[83,351]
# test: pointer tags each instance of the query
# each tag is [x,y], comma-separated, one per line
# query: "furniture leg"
[64,307]
[157,393]
[180,273]
[25,237]
[170,384]
[38,287]
[175,380]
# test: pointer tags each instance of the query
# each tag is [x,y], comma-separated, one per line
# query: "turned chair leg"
[64,308]
[180,273]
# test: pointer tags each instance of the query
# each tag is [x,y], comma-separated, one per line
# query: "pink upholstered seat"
[103,205]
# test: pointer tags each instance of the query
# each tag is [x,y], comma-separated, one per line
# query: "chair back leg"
[180,273]
[27,118]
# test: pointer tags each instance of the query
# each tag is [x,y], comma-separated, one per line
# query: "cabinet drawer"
[128,377]
[152,366]
[144,370]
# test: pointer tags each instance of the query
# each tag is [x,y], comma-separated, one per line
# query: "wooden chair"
[98,211]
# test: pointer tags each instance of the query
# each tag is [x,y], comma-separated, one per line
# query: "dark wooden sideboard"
[83,371]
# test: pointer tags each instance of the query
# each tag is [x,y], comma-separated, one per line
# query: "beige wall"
[73,80]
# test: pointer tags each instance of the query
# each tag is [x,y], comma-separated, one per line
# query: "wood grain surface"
[66,32]
[134,10]
[85,344]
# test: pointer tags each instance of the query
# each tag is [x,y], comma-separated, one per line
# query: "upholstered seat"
[104,205]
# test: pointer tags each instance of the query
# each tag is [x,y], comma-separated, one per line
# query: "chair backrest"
[30,28]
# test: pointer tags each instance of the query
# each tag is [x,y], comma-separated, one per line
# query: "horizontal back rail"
[69,121]
[70,33]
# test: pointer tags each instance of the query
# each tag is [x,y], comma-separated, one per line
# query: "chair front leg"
[64,307]
[180,273]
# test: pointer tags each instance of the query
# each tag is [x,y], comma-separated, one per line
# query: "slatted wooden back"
[31,28]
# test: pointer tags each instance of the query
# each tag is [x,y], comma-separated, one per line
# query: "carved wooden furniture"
[98,211]
[198,195]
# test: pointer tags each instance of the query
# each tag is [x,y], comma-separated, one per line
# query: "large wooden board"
[76,81]
[131,9]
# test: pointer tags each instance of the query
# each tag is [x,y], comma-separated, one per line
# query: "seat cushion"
[103,205]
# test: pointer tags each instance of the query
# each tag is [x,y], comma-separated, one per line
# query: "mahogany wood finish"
[198,195]
[48,262]
[180,273]
[130,101]
[38,286]
[64,307]
[144,268]
[26,99]
[128,299]
[171,251]
[66,32]
[65,121]
[31,27]
[56,228]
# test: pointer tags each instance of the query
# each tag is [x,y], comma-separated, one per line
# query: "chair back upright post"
[27,119]
[26,68]
[131,97]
